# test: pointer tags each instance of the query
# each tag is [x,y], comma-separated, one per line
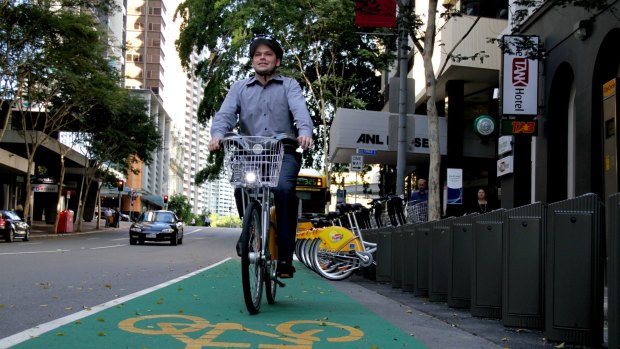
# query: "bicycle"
[336,251]
[253,164]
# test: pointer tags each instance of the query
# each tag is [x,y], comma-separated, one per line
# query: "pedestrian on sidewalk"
[108,217]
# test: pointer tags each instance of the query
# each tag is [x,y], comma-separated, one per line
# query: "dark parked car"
[158,225]
[12,226]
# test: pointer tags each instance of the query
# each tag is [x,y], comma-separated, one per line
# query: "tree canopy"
[335,64]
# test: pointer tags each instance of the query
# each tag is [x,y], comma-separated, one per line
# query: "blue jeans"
[286,203]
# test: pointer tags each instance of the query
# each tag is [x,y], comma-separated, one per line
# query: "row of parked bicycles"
[334,247]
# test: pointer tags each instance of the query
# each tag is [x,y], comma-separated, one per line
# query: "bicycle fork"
[369,248]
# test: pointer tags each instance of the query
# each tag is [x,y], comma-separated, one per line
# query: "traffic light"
[165,199]
[121,185]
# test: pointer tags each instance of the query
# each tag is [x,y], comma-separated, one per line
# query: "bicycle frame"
[253,165]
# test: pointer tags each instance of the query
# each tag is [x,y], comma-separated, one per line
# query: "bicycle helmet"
[269,41]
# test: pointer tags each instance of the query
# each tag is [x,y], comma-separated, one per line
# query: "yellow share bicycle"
[335,252]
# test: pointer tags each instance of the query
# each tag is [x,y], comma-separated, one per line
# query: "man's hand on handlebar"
[304,142]
[214,144]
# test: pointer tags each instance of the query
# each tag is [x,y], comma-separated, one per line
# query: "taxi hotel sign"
[520,76]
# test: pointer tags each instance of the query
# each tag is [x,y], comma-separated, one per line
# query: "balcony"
[478,74]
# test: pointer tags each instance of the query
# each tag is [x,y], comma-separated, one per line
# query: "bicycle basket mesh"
[252,161]
[417,212]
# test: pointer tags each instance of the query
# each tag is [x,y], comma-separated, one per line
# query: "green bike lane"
[206,310]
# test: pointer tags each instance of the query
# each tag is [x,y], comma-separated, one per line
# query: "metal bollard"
[438,266]
[408,243]
[421,243]
[384,258]
[524,266]
[397,256]
[486,282]
[574,273]
[460,261]
[370,235]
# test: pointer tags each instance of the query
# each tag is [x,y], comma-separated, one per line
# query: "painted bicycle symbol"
[295,334]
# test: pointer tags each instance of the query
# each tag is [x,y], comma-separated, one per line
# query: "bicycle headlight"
[250,177]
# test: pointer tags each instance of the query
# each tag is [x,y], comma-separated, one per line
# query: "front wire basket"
[253,161]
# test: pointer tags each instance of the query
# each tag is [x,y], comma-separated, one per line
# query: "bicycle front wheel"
[332,265]
[270,283]
[252,265]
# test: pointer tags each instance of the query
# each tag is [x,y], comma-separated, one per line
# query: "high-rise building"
[153,64]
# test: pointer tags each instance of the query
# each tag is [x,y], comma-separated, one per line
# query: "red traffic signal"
[121,185]
[165,199]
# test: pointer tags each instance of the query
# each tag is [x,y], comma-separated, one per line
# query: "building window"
[155,90]
[138,26]
[156,43]
[155,27]
[134,57]
[139,9]
[153,58]
[155,11]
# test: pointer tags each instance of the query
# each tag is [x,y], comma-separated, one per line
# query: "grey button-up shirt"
[278,107]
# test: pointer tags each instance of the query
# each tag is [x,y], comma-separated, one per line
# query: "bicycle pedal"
[280,283]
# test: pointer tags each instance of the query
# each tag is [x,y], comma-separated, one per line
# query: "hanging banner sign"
[520,75]
[455,186]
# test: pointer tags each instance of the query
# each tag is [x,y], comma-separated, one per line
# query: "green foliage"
[120,131]
[231,221]
[212,171]
[334,63]
[179,204]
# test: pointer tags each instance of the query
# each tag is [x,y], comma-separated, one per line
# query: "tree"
[117,134]
[56,77]
[179,204]
[53,59]
[334,63]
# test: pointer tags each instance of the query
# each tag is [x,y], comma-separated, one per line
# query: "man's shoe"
[285,270]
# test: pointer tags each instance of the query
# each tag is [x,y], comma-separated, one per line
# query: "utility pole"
[401,155]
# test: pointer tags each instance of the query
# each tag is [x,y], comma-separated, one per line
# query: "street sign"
[367,151]
[519,127]
[357,163]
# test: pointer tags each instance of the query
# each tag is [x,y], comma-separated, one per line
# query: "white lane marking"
[33,252]
[102,247]
[23,336]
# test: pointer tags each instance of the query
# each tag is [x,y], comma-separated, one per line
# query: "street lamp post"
[401,155]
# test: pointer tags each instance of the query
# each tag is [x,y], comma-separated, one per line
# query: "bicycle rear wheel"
[252,266]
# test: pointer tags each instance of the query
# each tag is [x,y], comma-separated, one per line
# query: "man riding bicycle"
[268,104]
